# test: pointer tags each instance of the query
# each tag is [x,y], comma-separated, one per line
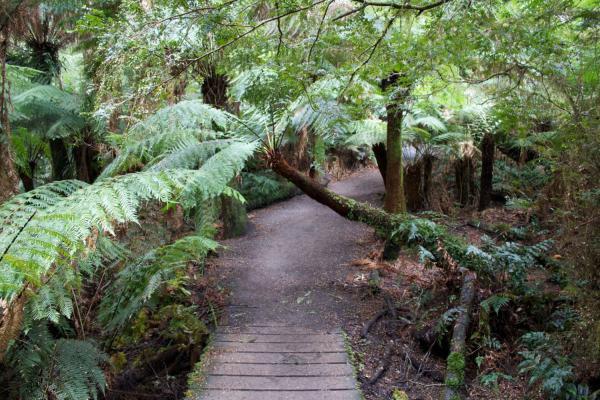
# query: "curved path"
[281,336]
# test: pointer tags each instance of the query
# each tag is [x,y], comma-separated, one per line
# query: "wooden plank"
[280,395]
[279,383]
[280,347]
[277,338]
[281,358]
[280,369]
[277,330]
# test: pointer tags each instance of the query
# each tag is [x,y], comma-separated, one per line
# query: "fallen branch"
[365,330]
[455,370]
[384,364]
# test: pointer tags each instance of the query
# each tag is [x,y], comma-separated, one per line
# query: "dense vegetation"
[136,133]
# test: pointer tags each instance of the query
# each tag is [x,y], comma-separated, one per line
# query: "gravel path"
[283,271]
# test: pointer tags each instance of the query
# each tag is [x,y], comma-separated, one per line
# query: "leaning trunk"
[347,208]
[455,369]
[381,157]
[395,201]
[487,171]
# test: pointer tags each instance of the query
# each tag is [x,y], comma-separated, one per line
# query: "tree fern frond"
[141,279]
[48,111]
[59,232]
[187,115]
[366,132]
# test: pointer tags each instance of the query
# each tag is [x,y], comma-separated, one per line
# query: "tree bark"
[464,173]
[85,155]
[381,157]
[413,186]
[487,171]
[9,179]
[347,208]
[60,159]
[395,201]
[427,184]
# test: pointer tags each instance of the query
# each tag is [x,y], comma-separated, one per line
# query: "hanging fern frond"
[366,132]
[53,236]
[137,283]
[183,135]
[187,115]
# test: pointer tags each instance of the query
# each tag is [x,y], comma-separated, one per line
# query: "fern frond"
[142,279]
[366,132]
[48,111]
[59,232]
[187,115]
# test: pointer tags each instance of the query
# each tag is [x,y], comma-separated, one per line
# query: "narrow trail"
[281,338]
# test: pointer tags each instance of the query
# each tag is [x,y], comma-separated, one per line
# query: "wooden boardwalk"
[278,363]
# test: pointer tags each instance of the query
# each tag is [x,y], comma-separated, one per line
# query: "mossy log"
[455,369]
[344,206]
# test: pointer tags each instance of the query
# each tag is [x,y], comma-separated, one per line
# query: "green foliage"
[48,111]
[545,365]
[263,188]
[49,368]
[139,283]
[456,366]
[58,232]
[495,302]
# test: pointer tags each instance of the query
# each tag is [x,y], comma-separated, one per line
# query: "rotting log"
[455,369]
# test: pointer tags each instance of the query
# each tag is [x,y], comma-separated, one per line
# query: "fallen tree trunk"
[344,206]
[455,369]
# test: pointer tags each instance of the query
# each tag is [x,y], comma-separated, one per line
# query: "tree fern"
[48,111]
[54,235]
[136,284]
[183,135]
[64,369]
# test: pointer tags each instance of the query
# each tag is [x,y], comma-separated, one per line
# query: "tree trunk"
[85,161]
[381,157]
[464,174]
[487,171]
[60,159]
[413,186]
[9,179]
[427,173]
[27,182]
[395,201]
[347,208]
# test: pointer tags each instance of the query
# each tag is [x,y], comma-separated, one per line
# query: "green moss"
[456,370]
